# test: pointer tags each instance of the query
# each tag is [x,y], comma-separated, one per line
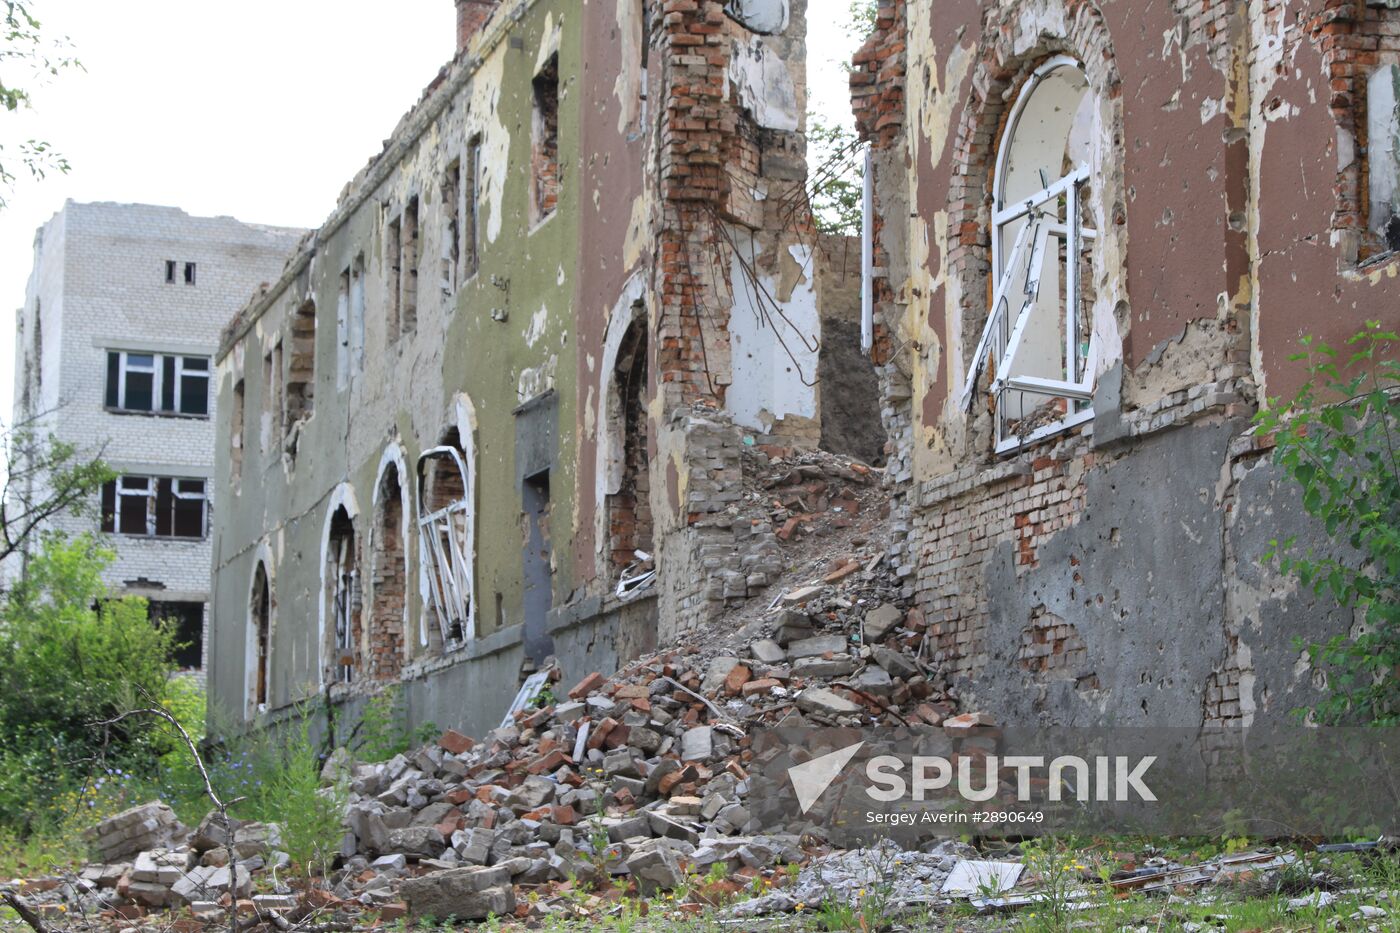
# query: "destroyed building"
[494,409]
[1100,230]
[114,351]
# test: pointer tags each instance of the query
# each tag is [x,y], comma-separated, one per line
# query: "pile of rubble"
[640,776]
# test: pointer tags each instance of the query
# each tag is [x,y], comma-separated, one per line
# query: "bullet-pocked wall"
[446,427]
[377,469]
[1101,229]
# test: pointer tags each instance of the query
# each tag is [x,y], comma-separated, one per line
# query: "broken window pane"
[133,505]
[109,507]
[165,508]
[189,508]
[162,507]
[1036,344]
[444,524]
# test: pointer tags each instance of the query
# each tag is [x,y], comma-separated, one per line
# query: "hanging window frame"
[446,553]
[1053,212]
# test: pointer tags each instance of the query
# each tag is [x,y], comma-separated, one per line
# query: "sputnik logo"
[811,778]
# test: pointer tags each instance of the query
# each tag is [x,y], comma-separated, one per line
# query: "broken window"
[157,383]
[386,643]
[301,371]
[343,583]
[350,322]
[1383,155]
[628,500]
[1036,347]
[393,257]
[260,621]
[357,314]
[155,507]
[445,540]
[636,49]
[544,161]
[471,233]
[236,434]
[451,194]
[408,263]
[273,402]
[187,618]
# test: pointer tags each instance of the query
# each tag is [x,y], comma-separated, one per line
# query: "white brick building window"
[155,507]
[157,383]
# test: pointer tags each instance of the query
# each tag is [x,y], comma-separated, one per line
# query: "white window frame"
[156,370]
[202,496]
[148,495]
[149,491]
[447,571]
[180,373]
[1004,331]
[125,365]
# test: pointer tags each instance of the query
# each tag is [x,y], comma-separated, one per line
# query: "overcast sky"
[262,109]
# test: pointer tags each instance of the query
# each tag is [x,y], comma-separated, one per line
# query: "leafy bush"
[1337,439]
[70,658]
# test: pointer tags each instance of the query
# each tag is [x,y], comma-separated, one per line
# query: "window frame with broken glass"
[1041,386]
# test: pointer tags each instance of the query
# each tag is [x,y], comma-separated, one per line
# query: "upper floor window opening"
[452,214]
[1037,344]
[157,383]
[544,160]
[155,507]
[172,272]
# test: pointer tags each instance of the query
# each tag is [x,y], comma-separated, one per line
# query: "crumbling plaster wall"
[481,347]
[1058,582]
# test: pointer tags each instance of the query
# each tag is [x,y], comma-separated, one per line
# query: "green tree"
[27,58]
[44,477]
[837,178]
[835,154]
[1337,439]
[71,657]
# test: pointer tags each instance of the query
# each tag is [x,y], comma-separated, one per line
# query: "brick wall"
[1355,37]
[100,279]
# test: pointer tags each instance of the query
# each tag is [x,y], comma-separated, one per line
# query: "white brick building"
[113,351]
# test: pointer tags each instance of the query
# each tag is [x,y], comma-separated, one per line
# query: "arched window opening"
[445,515]
[343,583]
[1037,346]
[386,636]
[260,617]
[628,500]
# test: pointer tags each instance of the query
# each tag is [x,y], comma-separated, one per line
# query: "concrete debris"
[148,826]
